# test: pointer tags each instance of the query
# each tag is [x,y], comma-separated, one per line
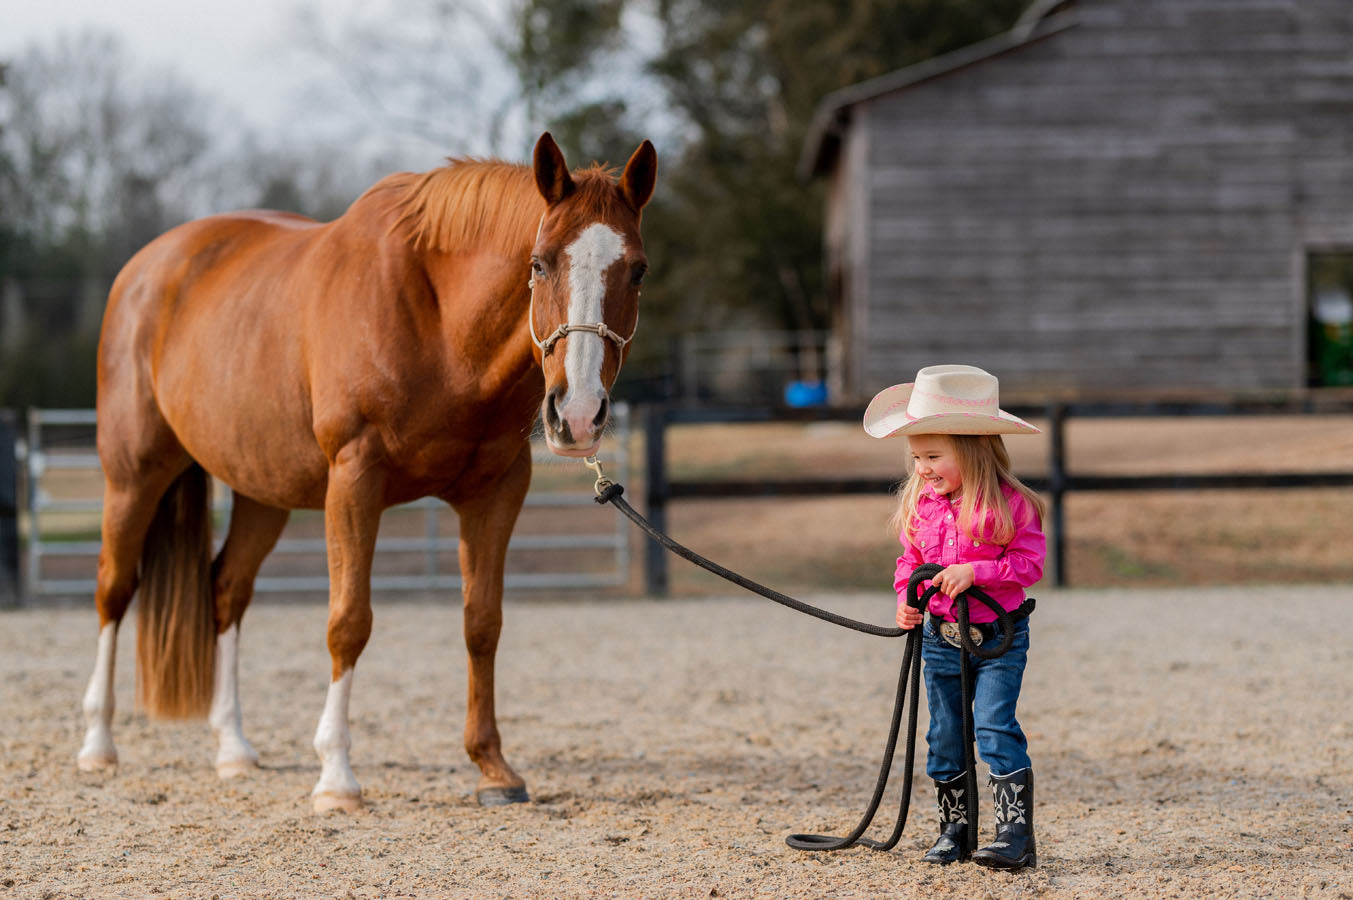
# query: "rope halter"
[564,330]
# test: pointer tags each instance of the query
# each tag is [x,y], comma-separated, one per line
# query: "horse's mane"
[476,202]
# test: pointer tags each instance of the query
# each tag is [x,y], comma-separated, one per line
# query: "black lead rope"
[908,681]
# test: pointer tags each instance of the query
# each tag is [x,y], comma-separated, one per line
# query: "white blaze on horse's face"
[590,255]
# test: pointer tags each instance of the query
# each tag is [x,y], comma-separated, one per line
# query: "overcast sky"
[243,54]
[234,51]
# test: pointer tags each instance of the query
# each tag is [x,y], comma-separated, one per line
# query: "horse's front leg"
[486,523]
[352,509]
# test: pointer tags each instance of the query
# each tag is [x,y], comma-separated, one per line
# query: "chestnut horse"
[400,351]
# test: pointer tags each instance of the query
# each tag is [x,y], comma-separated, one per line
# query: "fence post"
[1057,486]
[655,479]
[9,513]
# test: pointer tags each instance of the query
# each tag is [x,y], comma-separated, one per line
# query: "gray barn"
[1116,194]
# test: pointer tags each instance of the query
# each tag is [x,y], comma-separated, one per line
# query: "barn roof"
[1042,19]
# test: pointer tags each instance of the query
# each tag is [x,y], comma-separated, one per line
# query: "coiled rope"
[909,674]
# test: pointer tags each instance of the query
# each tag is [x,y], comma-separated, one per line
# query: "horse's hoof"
[97,762]
[502,796]
[236,768]
[344,803]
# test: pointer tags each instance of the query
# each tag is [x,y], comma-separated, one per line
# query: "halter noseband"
[597,328]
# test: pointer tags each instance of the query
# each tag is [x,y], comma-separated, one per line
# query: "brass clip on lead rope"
[602,481]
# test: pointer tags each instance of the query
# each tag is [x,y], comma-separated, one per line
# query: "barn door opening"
[1329,318]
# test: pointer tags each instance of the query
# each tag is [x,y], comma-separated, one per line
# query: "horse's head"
[586,267]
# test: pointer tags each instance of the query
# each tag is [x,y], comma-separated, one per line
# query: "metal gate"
[562,540]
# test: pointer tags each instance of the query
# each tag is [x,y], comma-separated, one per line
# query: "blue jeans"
[995,691]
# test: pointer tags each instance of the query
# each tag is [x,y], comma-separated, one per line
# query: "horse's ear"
[636,183]
[552,176]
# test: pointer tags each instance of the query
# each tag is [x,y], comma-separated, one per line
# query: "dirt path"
[1187,744]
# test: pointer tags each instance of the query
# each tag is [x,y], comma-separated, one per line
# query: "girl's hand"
[908,618]
[955,579]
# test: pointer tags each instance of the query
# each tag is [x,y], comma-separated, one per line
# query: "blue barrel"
[799,394]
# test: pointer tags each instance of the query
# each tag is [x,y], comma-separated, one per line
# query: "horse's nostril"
[603,412]
[552,410]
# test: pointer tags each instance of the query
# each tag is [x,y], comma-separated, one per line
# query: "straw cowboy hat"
[943,400]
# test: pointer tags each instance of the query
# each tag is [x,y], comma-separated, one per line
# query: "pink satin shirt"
[1003,571]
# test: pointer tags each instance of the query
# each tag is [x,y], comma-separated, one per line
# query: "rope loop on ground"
[909,674]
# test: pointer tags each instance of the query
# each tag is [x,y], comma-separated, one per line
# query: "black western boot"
[952,846]
[1014,845]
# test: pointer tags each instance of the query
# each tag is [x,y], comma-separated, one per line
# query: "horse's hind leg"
[254,529]
[128,508]
[485,526]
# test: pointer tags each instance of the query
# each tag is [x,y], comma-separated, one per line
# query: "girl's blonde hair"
[984,465]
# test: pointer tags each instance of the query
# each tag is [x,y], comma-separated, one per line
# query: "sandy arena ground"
[1190,743]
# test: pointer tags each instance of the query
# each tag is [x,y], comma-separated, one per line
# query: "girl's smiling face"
[935,460]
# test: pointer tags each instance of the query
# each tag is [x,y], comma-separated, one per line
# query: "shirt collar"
[928,490]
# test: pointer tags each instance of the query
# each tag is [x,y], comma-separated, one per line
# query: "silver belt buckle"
[949,631]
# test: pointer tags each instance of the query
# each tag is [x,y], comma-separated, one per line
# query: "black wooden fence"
[1059,481]
[9,511]
[662,490]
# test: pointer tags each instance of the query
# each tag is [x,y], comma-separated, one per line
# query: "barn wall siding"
[1124,204]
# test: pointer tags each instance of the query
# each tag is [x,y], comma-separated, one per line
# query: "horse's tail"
[176,620]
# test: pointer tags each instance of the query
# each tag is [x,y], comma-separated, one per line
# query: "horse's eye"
[536,267]
[639,272]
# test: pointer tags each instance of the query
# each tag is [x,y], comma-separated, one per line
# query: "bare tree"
[480,77]
[91,147]
[95,160]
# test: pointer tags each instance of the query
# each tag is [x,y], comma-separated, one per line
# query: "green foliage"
[558,40]
[55,374]
[734,238]
[595,132]
[1329,336]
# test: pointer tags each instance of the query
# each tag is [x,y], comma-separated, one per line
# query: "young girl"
[963,509]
